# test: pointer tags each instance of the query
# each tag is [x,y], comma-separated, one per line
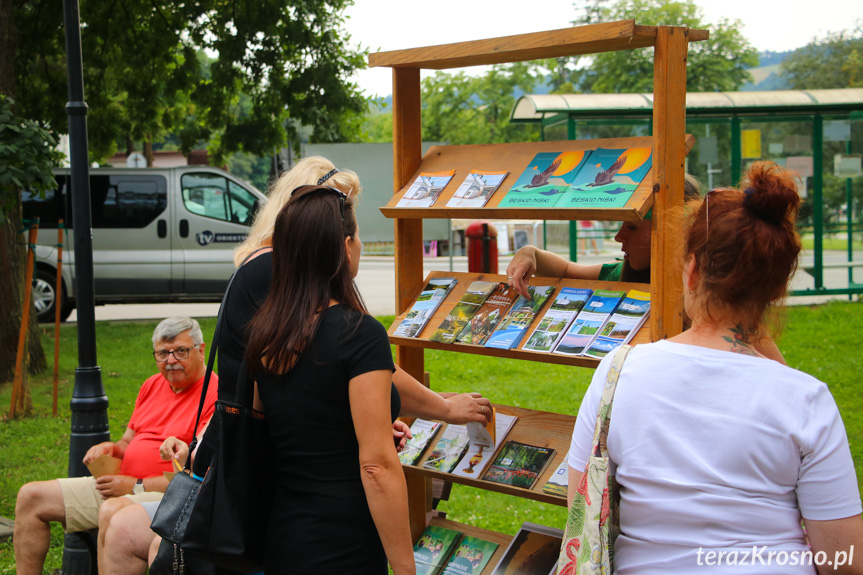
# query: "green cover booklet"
[433,548]
[471,556]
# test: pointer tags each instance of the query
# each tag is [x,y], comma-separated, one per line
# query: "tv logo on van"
[207,237]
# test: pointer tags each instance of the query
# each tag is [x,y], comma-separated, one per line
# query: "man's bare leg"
[107,510]
[127,542]
[38,503]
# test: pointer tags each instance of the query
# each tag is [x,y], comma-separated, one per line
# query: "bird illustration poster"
[425,189]
[547,176]
[608,178]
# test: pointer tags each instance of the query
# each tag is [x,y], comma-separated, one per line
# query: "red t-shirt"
[160,413]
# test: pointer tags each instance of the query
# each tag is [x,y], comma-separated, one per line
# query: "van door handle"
[184,228]
[162,229]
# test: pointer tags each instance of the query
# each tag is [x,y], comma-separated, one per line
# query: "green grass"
[839,243]
[818,340]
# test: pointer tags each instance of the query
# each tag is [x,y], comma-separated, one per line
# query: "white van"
[159,235]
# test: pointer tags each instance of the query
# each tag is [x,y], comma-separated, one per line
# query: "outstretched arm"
[420,401]
[531,261]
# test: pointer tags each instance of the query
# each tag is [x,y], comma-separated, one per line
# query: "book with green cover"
[433,548]
[470,557]
[467,306]
[519,464]
[544,180]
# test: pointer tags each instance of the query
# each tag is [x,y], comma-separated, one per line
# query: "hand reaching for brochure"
[521,268]
[467,407]
[401,434]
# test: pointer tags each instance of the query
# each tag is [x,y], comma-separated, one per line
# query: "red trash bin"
[481,247]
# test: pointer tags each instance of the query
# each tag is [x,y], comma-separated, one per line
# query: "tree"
[274,65]
[832,62]
[716,64]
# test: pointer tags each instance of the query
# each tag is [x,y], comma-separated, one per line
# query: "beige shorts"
[82,501]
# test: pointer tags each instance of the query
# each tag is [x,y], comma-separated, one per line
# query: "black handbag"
[228,523]
[170,559]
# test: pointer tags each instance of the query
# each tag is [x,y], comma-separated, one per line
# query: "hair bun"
[771,193]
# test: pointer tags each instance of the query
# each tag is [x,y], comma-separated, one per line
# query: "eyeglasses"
[179,353]
[310,189]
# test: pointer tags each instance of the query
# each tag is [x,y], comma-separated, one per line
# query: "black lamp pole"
[89,405]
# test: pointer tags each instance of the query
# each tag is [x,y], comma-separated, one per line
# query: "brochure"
[424,307]
[519,464]
[476,189]
[589,322]
[626,320]
[608,179]
[433,548]
[544,180]
[534,549]
[559,480]
[467,306]
[449,450]
[425,189]
[489,314]
[513,326]
[470,557]
[553,324]
[422,431]
[483,444]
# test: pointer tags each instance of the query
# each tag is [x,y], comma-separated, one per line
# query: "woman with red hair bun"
[722,455]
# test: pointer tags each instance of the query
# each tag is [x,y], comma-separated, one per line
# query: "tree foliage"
[716,64]
[274,65]
[832,62]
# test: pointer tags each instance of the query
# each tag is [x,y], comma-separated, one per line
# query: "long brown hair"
[745,246]
[310,268]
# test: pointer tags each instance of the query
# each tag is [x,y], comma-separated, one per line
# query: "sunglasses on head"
[311,189]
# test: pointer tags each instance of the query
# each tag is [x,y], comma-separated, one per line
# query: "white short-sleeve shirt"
[718,451]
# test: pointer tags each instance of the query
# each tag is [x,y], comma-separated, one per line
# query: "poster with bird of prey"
[608,178]
[544,180]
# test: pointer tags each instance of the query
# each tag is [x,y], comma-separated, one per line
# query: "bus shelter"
[817,133]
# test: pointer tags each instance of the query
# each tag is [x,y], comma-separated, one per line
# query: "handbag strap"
[212,358]
[603,415]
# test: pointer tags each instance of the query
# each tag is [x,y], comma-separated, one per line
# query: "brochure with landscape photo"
[476,189]
[489,314]
[534,549]
[519,464]
[425,189]
[433,548]
[422,431]
[559,480]
[483,444]
[424,307]
[544,180]
[553,324]
[626,320]
[589,322]
[476,294]
[470,557]
[508,333]
[449,450]
[608,178]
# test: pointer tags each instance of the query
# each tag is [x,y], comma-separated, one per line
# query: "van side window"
[48,207]
[216,197]
[127,201]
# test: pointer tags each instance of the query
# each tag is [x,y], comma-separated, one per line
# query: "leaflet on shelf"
[424,307]
[488,315]
[544,180]
[559,316]
[425,189]
[476,189]
[559,480]
[483,444]
[476,294]
[626,320]
[433,548]
[519,464]
[608,179]
[471,556]
[422,431]
[449,450]
[509,331]
[589,322]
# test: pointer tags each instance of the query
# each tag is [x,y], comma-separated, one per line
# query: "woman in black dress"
[323,369]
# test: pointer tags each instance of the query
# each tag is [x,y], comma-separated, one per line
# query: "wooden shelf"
[485,534]
[573,41]
[465,279]
[540,428]
[515,158]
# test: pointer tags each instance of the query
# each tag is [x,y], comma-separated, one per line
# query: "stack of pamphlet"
[488,315]
[449,552]
[589,322]
[425,189]
[424,307]
[476,294]
[608,178]
[622,325]
[484,440]
[559,316]
[422,431]
[547,176]
[514,324]
[476,189]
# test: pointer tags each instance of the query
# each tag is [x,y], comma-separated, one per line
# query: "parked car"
[159,235]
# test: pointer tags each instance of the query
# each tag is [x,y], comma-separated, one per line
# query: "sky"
[383,25]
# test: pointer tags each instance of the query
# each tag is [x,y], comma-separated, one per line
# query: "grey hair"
[171,327]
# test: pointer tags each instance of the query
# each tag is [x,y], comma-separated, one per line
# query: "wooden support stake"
[18,384]
[58,292]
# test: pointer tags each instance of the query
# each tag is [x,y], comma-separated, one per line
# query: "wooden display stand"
[661,190]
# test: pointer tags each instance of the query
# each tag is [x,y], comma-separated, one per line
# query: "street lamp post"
[89,405]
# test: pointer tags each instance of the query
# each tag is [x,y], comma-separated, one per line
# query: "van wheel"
[45,296]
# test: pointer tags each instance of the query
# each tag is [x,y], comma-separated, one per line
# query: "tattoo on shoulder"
[738,341]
